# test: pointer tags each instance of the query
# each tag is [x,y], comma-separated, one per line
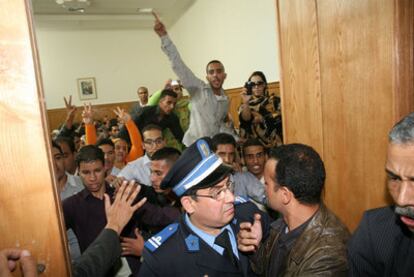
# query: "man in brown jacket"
[308,240]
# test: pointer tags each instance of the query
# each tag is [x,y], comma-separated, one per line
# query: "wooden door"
[29,203]
[346,78]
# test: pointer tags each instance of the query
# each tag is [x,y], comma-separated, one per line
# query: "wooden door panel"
[30,210]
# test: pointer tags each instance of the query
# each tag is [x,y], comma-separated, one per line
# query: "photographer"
[259,114]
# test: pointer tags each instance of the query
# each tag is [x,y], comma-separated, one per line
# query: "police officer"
[203,241]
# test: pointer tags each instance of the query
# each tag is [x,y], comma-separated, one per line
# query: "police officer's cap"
[196,168]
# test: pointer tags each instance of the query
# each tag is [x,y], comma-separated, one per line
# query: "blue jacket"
[183,253]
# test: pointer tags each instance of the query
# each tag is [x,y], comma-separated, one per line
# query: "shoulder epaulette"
[155,241]
[240,200]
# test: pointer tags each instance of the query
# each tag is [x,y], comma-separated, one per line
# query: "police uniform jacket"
[182,253]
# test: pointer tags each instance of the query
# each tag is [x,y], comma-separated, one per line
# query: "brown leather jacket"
[319,251]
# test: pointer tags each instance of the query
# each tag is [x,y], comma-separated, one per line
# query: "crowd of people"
[204,208]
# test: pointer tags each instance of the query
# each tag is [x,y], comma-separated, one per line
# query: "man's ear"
[287,195]
[188,204]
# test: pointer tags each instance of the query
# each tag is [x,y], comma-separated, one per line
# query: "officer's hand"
[250,235]
[132,246]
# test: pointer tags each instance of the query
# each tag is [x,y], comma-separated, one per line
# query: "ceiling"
[108,14]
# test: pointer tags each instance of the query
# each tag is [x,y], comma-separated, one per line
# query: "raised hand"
[122,114]
[120,212]
[168,84]
[159,27]
[250,235]
[87,114]
[70,109]
[245,97]
[131,246]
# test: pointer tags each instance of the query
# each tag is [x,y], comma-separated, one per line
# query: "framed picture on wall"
[87,88]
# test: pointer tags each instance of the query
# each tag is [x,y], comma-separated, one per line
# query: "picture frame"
[87,88]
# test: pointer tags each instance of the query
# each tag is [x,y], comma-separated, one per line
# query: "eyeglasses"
[221,193]
[151,142]
[258,84]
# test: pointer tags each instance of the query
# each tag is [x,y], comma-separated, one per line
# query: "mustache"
[405,211]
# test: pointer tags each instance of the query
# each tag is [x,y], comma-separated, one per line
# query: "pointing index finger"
[156,16]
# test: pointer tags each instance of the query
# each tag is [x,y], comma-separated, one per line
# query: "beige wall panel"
[300,76]
[29,211]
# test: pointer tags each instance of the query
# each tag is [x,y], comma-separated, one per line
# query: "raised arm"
[134,135]
[244,111]
[90,130]
[67,128]
[187,77]
[154,98]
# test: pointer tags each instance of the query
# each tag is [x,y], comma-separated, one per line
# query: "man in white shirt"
[255,157]
[139,170]
[209,102]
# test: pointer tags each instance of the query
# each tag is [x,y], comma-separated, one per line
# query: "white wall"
[119,60]
[240,33]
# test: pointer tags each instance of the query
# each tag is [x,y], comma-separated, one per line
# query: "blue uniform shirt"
[209,239]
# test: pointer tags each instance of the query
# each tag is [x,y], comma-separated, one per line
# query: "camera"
[249,86]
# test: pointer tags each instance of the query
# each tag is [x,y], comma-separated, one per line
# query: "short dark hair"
[89,153]
[105,141]
[301,170]
[151,127]
[220,139]
[169,154]
[214,61]
[57,146]
[253,142]
[168,92]
[113,122]
[68,141]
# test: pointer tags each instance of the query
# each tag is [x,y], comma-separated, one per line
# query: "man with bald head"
[142,93]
